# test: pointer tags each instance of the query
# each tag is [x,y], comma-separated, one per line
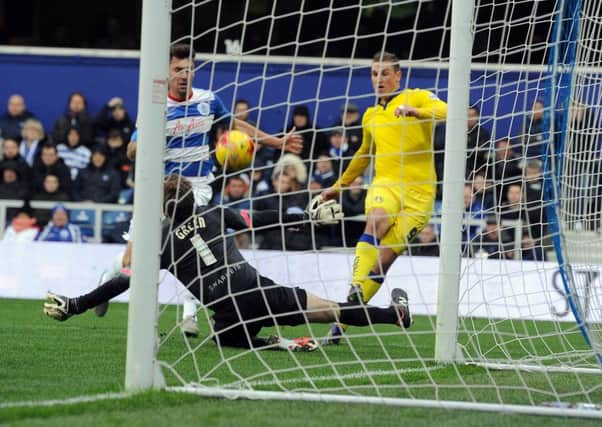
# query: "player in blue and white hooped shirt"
[190,128]
[195,118]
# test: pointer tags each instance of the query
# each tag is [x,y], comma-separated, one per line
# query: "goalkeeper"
[197,253]
[398,133]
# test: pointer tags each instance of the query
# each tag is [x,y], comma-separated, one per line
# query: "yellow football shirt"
[402,146]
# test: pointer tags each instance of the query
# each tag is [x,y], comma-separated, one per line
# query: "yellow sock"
[366,256]
[370,287]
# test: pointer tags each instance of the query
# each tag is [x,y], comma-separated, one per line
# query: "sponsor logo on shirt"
[203,108]
[188,126]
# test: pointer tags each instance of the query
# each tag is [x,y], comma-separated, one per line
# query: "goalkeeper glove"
[322,213]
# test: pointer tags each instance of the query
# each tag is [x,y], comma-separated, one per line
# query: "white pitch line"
[68,401]
[351,376]
[109,396]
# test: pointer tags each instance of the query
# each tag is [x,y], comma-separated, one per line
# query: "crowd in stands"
[83,158]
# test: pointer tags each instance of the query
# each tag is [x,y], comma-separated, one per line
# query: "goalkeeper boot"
[399,299]
[101,309]
[57,307]
[190,327]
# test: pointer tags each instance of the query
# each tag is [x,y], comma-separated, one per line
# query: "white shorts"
[201,188]
[202,191]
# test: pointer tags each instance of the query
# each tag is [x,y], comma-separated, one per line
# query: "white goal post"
[497,328]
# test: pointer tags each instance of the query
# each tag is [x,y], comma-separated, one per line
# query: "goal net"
[530,298]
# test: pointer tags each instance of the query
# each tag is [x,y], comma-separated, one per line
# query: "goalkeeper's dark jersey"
[201,254]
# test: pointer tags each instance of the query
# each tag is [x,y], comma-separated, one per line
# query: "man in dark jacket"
[114,116]
[76,115]
[99,182]
[314,141]
[50,163]
[11,122]
[351,123]
[478,140]
[11,184]
[10,153]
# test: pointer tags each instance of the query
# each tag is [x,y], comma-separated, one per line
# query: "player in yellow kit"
[398,134]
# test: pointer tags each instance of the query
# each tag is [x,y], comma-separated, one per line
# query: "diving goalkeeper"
[197,251]
[398,133]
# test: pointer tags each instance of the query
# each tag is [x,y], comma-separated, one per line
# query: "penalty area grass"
[43,360]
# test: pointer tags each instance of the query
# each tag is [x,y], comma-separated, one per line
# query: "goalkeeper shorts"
[240,317]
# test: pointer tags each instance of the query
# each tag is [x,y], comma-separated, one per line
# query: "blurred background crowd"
[83,159]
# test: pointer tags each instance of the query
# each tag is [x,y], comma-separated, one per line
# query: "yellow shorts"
[408,208]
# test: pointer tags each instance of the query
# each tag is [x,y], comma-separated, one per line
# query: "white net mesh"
[513,305]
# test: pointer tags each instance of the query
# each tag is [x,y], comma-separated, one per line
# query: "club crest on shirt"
[203,108]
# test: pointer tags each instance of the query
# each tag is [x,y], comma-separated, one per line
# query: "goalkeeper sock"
[366,255]
[371,285]
[103,293]
[364,315]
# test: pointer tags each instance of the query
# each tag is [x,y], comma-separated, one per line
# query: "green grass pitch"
[44,360]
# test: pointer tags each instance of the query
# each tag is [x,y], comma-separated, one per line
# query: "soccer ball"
[234,150]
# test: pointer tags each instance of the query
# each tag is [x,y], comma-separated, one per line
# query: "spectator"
[98,182]
[473,211]
[259,184]
[76,115]
[12,186]
[535,199]
[126,196]
[439,156]
[236,193]
[294,168]
[33,138]
[514,208]
[352,127]
[75,155]
[426,243]
[10,153]
[50,162]
[324,173]
[113,115]
[11,122]
[533,180]
[505,169]
[117,155]
[339,150]
[482,190]
[50,192]
[532,140]
[313,139]
[492,242]
[477,143]
[23,227]
[353,200]
[284,201]
[59,229]
[530,251]
[241,110]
